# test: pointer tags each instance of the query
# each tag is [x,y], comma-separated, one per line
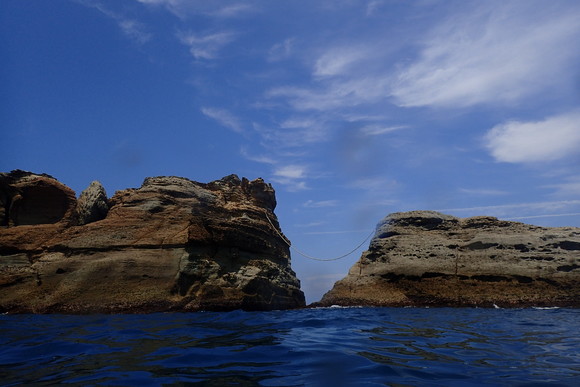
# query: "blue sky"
[351,109]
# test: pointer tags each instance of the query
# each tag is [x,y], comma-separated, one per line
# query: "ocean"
[309,347]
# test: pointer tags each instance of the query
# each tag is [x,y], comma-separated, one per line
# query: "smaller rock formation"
[92,205]
[423,258]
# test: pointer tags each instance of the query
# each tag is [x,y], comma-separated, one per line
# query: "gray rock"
[421,258]
[92,205]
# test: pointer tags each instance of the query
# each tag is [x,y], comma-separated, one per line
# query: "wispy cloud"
[544,216]
[133,29]
[516,209]
[492,53]
[320,203]
[206,46]
[281,51]
[376,130]
[482,192]
[224,118]
[373,6]
[548,140]
[257,158]
[336,232]
[570,188]
[339,60]
[215,8]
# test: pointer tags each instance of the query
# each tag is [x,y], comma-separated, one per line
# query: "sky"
[351,109]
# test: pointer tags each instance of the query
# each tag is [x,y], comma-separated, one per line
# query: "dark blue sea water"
[312,347]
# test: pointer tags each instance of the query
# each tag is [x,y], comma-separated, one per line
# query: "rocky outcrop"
[92,204]
[423,258]
[172,244]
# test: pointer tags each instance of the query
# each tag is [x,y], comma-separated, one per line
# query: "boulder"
[425,258]
[93,204]
[171,245]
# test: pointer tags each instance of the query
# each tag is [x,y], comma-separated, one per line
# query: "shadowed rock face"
[172,244]
[422,258]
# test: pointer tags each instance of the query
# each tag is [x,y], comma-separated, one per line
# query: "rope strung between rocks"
[309,256]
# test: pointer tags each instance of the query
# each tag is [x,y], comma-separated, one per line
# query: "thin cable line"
[309,256]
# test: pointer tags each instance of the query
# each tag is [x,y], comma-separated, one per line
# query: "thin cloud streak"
[224,118]
[505,209]
[206,46]
[133,29]
[544,216]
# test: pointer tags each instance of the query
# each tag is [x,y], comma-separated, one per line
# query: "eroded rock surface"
[423,258]
[172,244]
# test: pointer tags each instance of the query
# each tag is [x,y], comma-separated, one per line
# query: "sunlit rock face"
[425,258]
[172,244]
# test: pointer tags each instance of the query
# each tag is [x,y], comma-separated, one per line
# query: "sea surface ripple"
[310,347]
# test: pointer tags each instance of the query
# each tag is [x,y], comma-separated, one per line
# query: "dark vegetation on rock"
[425,258]
[171,245]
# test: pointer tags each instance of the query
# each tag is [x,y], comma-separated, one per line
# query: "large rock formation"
[172,244]
[423,258]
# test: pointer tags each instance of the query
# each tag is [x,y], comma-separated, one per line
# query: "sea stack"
[171,245]
[425,258]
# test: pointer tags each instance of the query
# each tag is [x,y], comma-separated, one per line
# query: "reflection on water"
[348,346]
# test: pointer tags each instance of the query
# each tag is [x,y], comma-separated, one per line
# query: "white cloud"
[216,8]
[257,158]
[320,203]
[482,192]
[571,188]
[133,29]
[544,216]
[281,51]
[291,176]
[224,118]
[335,232]
[376,130]
[339,60]
[548,140]
[496,52]
[291,172]
[517,209]
[206,46]
[373,6]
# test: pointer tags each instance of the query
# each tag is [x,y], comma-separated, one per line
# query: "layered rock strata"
[172,244]
[423,258]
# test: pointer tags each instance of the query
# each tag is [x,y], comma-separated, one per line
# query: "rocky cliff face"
[172,244]
[423,258]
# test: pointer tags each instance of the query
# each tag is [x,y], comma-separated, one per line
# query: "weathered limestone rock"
[172,244]
[423,258]
[92,205]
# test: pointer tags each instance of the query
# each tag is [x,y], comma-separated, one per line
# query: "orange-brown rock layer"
[172,244]
[424,258]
